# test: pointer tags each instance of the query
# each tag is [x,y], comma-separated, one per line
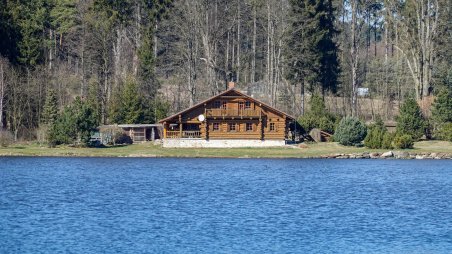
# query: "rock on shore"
[391,155]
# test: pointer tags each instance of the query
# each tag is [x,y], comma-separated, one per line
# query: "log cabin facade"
[230,116]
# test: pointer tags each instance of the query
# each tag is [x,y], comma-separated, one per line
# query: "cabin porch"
[183,130]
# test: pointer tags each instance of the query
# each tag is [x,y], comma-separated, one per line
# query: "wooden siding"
[231,108]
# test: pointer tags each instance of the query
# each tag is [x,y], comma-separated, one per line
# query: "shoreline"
[423,150]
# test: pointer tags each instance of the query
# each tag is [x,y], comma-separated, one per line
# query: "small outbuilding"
[137,132]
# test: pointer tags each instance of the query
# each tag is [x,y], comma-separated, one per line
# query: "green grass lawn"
[151,150]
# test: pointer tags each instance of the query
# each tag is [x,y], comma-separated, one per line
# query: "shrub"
[387,141]
[403,141]
[374,138]
[6,138]
[442,107]
[351,131]
[318,116]
[445,132]
[75,124]
[410,120]
[123,139]
[442,115]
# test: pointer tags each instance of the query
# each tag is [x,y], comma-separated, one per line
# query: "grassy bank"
[151,150]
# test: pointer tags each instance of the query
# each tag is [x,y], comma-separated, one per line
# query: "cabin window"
[272,126]
[223,104]
[249,127]
[247,104]
[217,104]
[232,127]
[192,127]
[241,105]
[216,126]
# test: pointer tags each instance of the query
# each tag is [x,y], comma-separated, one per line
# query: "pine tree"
[8,32]
[85,120]
[93,99]
[32,18]
[410,120]
[312,52]
[442,107]
[155,11]
[132,106]
[64,16]
[442,115]
[50,111]
[77,122]
[116,113]
[127,106]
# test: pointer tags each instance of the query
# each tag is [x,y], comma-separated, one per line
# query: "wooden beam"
[262,129]
[164,130]
[232,97]
[180,126]
[207,129]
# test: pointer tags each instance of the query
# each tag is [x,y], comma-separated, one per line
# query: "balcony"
[218,112]
[185,134]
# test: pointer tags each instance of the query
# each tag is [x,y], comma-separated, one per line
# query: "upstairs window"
[241,105]
[247,104]
[272,127]
[224,105]
[216,126]
[216,104]
[232,127]
[249,127]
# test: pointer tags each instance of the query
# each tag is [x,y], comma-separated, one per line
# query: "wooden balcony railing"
[217,112]
[185,134]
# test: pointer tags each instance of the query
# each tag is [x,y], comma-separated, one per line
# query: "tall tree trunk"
[51,34]
[268,47]
[226,61]
[303,85]
[117,51]
[386,69]
[135,60]
[155,44]
[2,91]
[82,58]
[238,40]
[253,60]
[354,57]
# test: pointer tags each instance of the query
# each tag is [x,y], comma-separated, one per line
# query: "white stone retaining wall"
[220,143]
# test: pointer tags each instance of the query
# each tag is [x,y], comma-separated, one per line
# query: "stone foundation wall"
[201,143]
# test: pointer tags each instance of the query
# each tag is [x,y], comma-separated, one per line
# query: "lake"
[162,205]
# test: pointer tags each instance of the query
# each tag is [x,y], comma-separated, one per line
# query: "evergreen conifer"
[410,120]
[50,111]
[312,52]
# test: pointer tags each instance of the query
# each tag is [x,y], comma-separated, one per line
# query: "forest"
[69,64]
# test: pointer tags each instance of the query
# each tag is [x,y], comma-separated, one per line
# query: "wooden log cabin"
[230,119]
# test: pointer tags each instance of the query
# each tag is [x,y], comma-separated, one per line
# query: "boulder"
[387,155]
[374,155]
[420,157]
[401,155]
[316,135]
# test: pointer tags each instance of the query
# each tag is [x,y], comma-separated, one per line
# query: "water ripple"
[93,205]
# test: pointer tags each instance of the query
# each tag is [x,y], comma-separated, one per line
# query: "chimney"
[231,85]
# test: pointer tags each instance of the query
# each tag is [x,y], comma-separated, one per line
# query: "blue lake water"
[124,205]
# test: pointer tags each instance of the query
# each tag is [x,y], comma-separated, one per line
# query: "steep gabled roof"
[221,94]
